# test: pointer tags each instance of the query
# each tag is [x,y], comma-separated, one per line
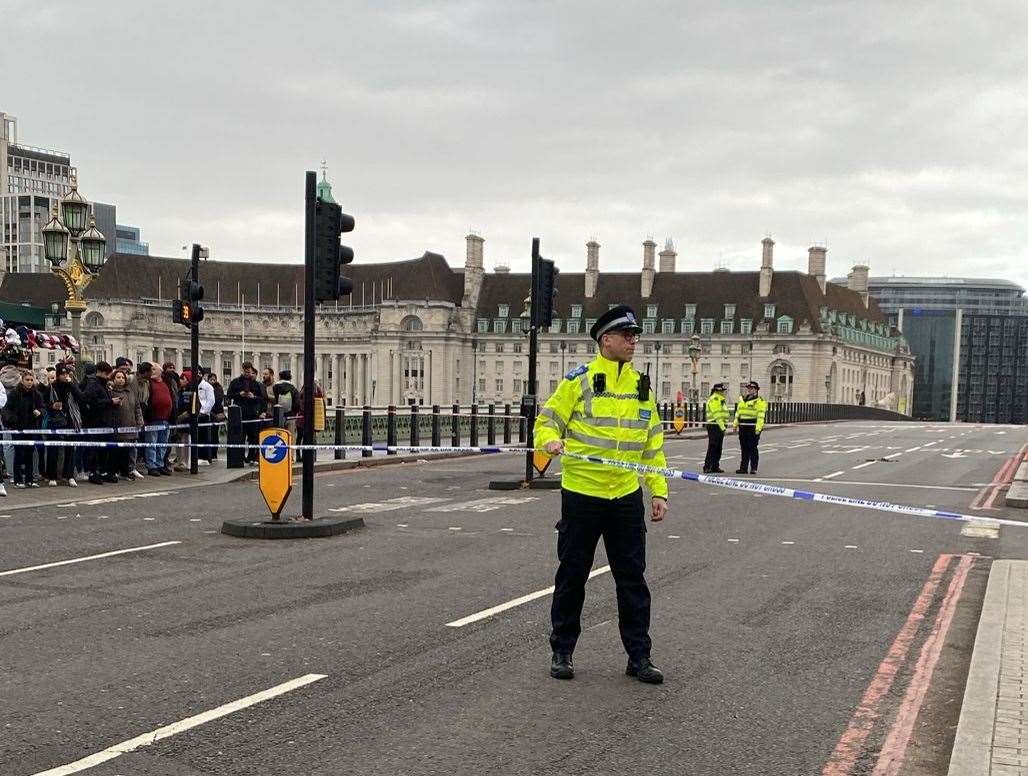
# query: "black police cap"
[620,318]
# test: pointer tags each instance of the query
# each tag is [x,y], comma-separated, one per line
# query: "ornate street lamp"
[71,239]
[828,388]
[656,378]
[694,357]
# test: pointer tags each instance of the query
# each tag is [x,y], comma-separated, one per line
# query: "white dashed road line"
[514,603]
[11,572]
[866,463]
[146,739]
[833,474]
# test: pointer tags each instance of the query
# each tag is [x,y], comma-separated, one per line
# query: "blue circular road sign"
[273,449]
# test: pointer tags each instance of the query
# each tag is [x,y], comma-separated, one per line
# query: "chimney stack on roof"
[766,266]
[649,255]
[473,270]
[816,264]
[592,268]
[857,280]
[668,256]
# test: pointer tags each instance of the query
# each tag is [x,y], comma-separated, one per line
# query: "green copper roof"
[325,190]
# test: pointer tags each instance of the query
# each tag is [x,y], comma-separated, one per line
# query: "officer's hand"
[658,509]
[556,447]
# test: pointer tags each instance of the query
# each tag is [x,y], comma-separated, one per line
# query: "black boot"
[740,471]
[561,666]
[643,670]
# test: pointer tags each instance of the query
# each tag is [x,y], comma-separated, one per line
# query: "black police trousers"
[715,441]
[622,524]
[749,439]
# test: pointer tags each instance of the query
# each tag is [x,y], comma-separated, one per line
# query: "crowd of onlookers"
[147,408]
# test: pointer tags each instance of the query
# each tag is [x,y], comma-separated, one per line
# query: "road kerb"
[973,745]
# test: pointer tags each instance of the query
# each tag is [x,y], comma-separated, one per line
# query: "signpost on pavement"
[275,469]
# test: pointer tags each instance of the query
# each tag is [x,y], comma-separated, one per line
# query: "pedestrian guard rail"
[493,424]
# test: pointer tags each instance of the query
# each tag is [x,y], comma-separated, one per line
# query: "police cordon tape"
[748,486]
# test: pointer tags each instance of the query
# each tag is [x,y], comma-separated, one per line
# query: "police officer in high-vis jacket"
[607,410]
[716,411]
[749,417]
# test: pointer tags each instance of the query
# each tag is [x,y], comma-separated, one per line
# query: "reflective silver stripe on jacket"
[548,413]
[649,455]
[606,444]
[587,394]
[619,423]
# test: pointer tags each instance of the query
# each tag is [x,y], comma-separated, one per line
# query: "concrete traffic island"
[291,529]
[1017,494]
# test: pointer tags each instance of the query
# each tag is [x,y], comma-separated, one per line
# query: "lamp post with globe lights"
[75,249]
[694,357]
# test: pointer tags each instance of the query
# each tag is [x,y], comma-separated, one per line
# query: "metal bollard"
[506,424]
[366,431]
[437,436]
[455,426]
[278,416]
[415,429]
[234,436]
[522,430]
[474,425]
[340,433]
[490,434]
[391,428]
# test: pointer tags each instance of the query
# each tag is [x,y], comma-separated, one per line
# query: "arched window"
[412,323]
[781,375]
[93,320]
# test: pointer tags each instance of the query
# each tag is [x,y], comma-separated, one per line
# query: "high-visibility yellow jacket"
[717,411]
[750,412]
[613,424]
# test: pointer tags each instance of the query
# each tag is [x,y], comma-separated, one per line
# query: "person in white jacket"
[206,396]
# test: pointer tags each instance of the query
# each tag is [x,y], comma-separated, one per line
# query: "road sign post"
[275,469]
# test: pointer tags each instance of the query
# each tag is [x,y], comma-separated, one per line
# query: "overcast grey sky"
[895,131]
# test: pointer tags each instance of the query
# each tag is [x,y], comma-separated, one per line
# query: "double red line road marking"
[870,709]
[987,496]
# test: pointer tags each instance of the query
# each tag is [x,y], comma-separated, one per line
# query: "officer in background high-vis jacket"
[605,409]
[749,417]
[716,422]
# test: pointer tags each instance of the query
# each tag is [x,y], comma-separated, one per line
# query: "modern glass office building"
[970,342]
[992,385]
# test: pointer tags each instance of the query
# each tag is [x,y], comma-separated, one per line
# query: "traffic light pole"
[194,354]
[533,347]
[308,344]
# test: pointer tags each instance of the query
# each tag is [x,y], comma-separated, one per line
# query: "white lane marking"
[389,505]
[195,519]
[918,551]
[673,536]
[866,463]
[833,474]
[850,547]
[456,528]
[788,542]
[890,456]
[913,449]
[484,504]
[507,530]
[146,739]
[83,559]
[515,602]
[150,518]
[735,541]
[113,499]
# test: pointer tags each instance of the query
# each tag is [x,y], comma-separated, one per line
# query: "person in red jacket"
[158,411]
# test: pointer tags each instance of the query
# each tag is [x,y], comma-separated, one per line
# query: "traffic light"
[186,310]
[544,288]
[329,255]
